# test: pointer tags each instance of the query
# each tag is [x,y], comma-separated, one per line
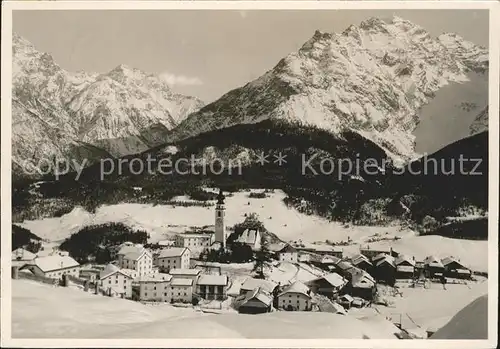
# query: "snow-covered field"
[162,221]
[420,309]
[41,311]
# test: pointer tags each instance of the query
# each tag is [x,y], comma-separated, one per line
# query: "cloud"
[173,79]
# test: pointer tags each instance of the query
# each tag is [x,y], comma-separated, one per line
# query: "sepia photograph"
[296,171]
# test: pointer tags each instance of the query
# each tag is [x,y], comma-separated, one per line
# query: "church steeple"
[220,227]
[220,198]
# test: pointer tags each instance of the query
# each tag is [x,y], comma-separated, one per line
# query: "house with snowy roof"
[173,257]
[453,268]
[296,296]
[20,256]
[135,257]
[115,281]
[327,285]
[405,267]
[154,287]
[210,286]
[192,274]
[180,290]
[362,262]
[433,267]
[53,267]
[251,284]
[371,252]
[288,254]
[384,269]
[256,301]
[361,285]
[345,300]
[196,242]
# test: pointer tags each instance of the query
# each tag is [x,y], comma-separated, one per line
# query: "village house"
[135,257]
[342,268]
[405,267]
[115,281]
[172,258]
[20,256]
[433,267]
[251,284]
[345,300]
[371,252]
[249,237]
[454,269]
[53,267]
[211,286]
[191,274]
[324,262]
[288,254]
[384,270]
[90,274]
[328,285]
[180,290]
[362,262]
[361,285]
[256,301]
[154,287]
[196,242]
[296,296]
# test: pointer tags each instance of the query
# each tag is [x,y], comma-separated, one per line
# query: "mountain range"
[371,79]
[59,115]
[356,95]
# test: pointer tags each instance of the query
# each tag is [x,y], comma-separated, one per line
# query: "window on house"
[185,294]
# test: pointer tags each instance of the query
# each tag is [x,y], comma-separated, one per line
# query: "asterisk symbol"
[280,158]
[262,158]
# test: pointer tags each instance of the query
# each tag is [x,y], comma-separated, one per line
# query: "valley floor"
[164,221]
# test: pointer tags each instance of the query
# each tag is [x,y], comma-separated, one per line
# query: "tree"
[262,256]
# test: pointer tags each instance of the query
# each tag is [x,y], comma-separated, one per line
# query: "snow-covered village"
[304,175]
[385,279]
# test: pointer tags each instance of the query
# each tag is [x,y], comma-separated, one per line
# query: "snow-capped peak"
[371,79]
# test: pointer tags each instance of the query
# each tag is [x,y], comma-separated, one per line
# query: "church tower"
[220,228]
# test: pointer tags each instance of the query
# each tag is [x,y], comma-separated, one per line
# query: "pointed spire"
[220,197]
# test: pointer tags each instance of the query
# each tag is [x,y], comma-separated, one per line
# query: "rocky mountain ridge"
[59,114]
[371,79]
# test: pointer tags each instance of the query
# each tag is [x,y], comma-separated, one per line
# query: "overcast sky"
[206,53]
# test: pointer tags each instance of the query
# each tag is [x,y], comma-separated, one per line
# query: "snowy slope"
[371,79]
[163,221]
[121,112]
[469,323]
[41,311]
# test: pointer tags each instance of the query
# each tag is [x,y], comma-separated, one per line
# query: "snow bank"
[469,323]
[41,311]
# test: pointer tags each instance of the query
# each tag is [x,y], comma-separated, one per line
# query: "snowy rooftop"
[22,254]
[178,271]
[158,277]
[433,261]
[386,259]
[297,287]
[404,258]
[251,284]
[110,269]
[211,280]
[258,293]
[172,252]
[56,262]
[181,282]
[132,252]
